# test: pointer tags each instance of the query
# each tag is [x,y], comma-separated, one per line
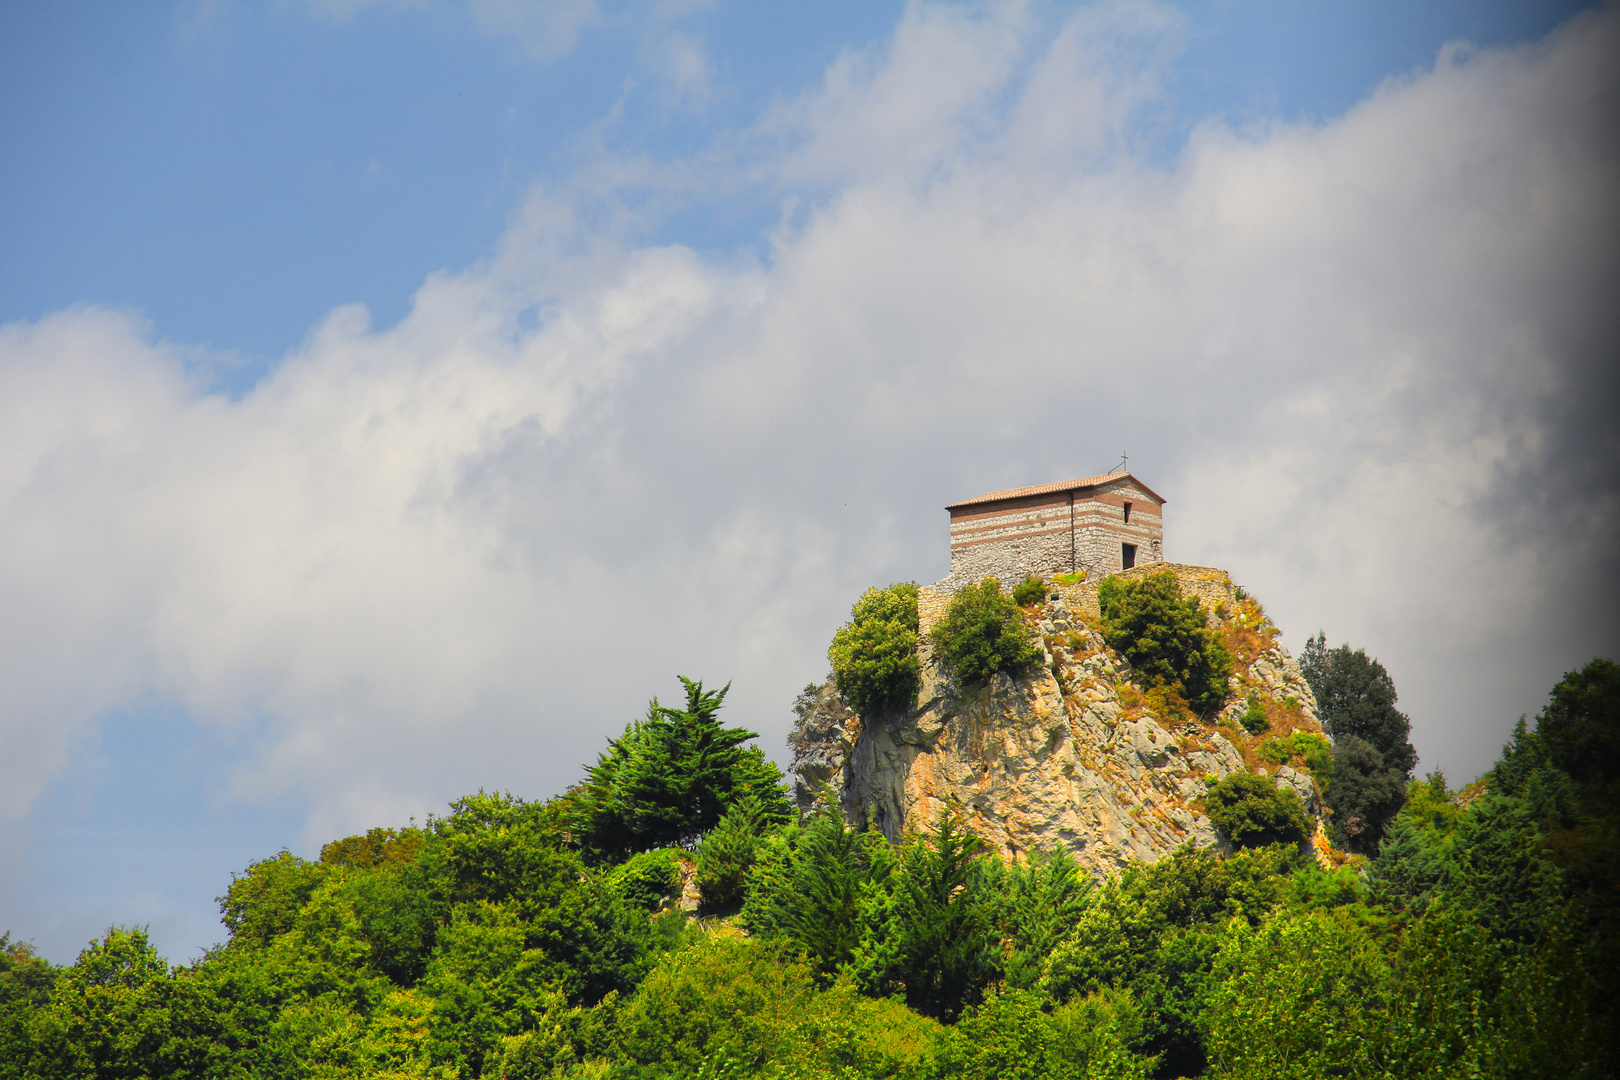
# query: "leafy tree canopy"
[1364,793]
[378,847]
[984,633]
[1356,696]
[1581,727]
[1483,942]
[1373,755]
[874,655]
[1252,811]
[1164,636]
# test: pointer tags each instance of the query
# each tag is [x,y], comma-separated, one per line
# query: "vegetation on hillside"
[506,940]
[1373,756]
[669,780]
[874,655]
[1252,811]
[984,633]
[1164,636]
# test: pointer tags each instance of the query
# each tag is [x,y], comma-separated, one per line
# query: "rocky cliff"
[1073,755]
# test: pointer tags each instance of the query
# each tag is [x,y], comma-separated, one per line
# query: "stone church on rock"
[1097,524]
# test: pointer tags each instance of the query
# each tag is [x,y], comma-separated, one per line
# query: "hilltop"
[1072,754]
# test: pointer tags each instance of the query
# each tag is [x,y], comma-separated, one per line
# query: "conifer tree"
[670,778]
[940,943]
[1042,899]
[819,885]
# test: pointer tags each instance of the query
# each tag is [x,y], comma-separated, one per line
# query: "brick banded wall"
[1052,533]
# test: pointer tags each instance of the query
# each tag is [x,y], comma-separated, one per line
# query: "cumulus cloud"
[1369,362]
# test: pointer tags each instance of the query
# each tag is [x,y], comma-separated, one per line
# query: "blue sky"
[234,171]
[679,322]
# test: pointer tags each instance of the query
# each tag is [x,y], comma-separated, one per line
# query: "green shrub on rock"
[1163,635]
[874,655]
[1251,811]
[983,633]
[1312,750]
[1254,717]
[1029,591]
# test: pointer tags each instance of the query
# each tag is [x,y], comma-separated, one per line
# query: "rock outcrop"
[1073,755]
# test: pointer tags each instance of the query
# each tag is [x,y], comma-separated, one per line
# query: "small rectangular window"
[1128,555]
[1127,513]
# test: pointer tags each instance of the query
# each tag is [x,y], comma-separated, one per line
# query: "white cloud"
[1368,363]
[545,30]
[680,63]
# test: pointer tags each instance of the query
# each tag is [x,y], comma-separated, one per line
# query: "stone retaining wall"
[1212,587]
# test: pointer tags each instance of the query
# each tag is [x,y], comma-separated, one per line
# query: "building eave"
[1058,488]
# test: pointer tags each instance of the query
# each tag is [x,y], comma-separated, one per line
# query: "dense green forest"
[1478,937]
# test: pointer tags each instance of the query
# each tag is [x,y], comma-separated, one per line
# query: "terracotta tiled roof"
[1048,489]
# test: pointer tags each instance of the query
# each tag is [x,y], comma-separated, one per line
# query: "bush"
[1029,591]
[983,633]
[1254,717]
[874,655]
[1163,635]
[720,994]
[1012,1037]
[1312,750]
[1251,811]
[649,879]
[733,1007]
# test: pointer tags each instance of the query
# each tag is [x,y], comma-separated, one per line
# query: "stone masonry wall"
[1043,535]
[1212,587]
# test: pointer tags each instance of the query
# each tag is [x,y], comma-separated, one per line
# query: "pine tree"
[670,779]
[817,885]
[1042,899]
[940,943]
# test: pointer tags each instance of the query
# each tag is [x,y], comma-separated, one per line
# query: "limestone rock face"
[818,741]
[1071,755]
